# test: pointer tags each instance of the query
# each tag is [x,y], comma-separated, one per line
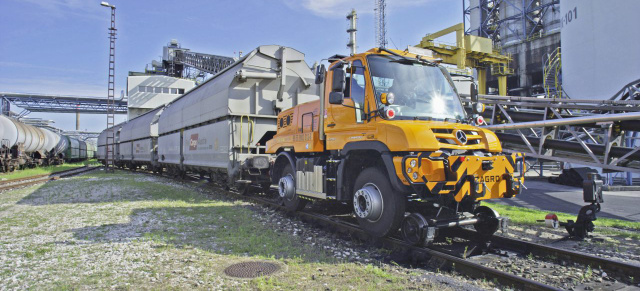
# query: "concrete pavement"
[550,197]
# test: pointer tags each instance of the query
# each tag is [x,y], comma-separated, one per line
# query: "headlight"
[479,108]
[391,98]
[260,162]
[387,98]
[409,170]
[413,163]
[415,176]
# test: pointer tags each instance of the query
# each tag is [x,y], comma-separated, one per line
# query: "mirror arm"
[349,106]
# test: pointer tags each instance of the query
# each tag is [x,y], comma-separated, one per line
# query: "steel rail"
[461,265]
[32,180]
[608,265]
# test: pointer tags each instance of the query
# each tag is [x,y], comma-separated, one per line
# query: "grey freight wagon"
[138,141]
[220,127]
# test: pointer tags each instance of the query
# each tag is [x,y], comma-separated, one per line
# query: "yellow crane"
[471,51]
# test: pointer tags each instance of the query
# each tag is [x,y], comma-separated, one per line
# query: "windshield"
[421,91]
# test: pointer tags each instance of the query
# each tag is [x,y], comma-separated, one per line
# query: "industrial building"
[550,42]
[528,31]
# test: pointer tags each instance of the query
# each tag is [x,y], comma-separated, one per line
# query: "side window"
[356,87]
[357,84]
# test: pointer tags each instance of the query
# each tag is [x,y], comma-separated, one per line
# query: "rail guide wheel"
[416,231]
[489,221]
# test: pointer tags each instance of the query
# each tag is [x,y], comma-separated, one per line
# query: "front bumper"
[461,176]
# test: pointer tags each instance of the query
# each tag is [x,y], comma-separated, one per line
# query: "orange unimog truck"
[390,137]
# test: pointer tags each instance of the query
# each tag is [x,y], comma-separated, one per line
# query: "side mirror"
[339,81]
[336,97]
[474,93]
[321,71]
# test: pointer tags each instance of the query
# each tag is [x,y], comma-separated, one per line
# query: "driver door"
[347,122]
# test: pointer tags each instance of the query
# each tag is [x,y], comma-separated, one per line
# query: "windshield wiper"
[407,60]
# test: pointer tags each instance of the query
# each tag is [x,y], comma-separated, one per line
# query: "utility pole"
[381,23]
[110,142]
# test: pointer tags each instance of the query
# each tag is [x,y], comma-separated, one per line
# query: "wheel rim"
[286,187]
[368,203]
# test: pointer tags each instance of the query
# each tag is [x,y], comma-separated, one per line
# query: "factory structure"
[551,50]
[559,48]
[179,71]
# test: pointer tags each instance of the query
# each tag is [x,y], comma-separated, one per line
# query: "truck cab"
[390,137]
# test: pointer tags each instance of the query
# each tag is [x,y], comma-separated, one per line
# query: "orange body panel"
[342,125]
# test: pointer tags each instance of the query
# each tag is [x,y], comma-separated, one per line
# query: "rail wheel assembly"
[287,190]
[488,221]
[378,209]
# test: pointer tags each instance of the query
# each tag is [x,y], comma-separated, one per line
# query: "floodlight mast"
[110,132]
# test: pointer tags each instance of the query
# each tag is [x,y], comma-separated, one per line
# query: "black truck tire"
[393,203]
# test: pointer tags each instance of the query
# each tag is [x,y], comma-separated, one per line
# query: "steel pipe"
[568,146]
[552,100]
[566,121]
[525,116]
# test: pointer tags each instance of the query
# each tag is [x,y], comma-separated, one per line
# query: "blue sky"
[61,46]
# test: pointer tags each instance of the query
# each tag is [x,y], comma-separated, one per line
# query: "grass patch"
[526,216]
[45,170]
[131,231]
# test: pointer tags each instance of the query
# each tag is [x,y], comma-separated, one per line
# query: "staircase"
[552,73]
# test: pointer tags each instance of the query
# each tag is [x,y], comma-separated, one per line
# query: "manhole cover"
[251,269]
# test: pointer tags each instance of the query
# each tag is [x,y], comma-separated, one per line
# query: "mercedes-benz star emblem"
[461,136]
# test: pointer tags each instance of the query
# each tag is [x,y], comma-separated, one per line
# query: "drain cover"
[251,269]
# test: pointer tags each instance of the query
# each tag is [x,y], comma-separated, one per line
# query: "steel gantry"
[470,51]
[597,133]
[62,103]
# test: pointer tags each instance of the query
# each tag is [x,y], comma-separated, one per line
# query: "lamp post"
[110,138]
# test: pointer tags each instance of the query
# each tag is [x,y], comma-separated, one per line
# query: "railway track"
[459,262]
[540,250]
[37,179]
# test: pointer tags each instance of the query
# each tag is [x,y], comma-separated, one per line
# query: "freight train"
[25,146]
[382,131]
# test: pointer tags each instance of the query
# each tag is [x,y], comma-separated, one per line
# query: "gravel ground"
[135,231]
[618,245]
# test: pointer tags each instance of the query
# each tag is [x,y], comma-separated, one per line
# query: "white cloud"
[340,8]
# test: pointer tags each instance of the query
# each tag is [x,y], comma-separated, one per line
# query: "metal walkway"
[211,64]
[62,103]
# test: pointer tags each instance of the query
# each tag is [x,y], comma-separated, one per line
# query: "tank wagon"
[91,151]
[23,145]
[417,163]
